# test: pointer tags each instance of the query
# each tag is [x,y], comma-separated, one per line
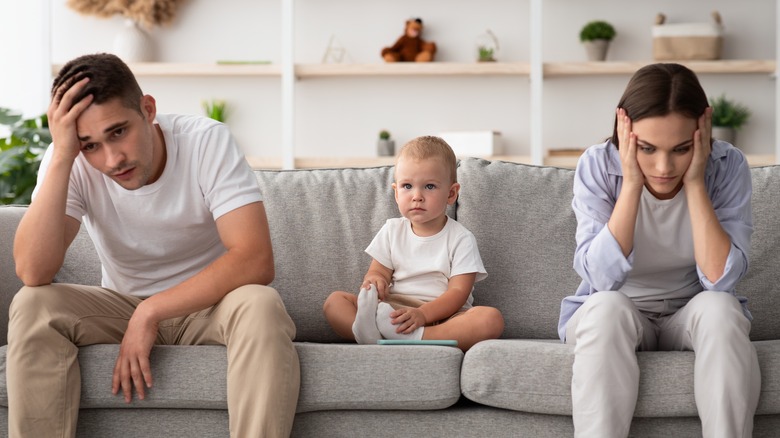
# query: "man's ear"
[453,195]
[148,107]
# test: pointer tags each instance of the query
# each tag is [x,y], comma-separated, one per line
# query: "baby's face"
[423,190]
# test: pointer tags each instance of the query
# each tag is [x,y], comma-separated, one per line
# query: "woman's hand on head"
[632,174]
[702,147]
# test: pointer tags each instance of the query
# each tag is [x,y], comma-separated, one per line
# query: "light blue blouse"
[598,258]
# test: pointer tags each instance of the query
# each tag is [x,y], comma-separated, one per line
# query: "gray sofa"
[321,220]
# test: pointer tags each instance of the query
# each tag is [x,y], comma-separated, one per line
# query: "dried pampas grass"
[147,13]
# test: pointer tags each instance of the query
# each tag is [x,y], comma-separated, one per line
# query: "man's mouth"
[124,174]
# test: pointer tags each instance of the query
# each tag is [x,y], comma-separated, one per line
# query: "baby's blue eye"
[407,186]
[430,186]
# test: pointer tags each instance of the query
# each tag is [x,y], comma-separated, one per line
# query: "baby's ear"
[454,190]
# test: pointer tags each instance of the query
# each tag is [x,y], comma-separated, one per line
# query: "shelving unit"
[537,70]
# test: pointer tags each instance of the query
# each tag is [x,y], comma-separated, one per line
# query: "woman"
[663,237]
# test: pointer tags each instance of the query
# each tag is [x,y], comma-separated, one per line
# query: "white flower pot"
[133,43]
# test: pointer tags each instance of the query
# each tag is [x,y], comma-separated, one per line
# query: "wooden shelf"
[629,67]
[192,69]
[414,69]
[568,160]
[551,69]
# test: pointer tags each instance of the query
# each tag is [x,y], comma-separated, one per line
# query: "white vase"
[133,43]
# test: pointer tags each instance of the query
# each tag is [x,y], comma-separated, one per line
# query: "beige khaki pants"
[608,329]
[47,324]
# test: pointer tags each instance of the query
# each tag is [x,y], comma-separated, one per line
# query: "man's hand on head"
[63,112]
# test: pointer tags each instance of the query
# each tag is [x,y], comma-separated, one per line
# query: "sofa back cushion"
[522,218]
[761,284]
[321,221]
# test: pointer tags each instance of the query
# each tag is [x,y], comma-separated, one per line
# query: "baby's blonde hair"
[429,146]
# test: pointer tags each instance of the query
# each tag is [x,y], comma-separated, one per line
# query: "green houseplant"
[728,116]
[20,155]
[215,109]
[596,36]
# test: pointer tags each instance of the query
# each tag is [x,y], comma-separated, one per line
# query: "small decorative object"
[596,36]
[482,144]
[487,47]
[215,109]
[335,52]
[410,47]
[728,117]
[385,146]
[682,41]
[133,43]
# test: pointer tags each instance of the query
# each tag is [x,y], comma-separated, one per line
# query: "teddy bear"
[410,47]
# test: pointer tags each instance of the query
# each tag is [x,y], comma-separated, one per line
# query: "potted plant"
[596,36]
[215,109]
[385,146]
[20,155]
[728,116]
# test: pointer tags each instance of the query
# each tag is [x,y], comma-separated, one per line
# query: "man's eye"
[683,150]
[119,131]
[646,149]
[88,147]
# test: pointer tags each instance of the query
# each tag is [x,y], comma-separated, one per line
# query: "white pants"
[608,329]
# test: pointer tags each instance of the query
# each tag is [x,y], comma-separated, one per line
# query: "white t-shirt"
[662,281]
[159,235]
[423,266]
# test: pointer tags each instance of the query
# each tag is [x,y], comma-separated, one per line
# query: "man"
[178,222]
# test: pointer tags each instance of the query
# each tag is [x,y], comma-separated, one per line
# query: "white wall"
[341,116]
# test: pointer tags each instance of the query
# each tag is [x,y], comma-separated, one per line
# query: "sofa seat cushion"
[351,376]
[535,376]
[333,376]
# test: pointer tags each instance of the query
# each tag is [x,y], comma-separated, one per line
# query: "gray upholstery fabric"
[762,282]
[535,376]
[332,376]
[370,377]
[526,241]
[9,283]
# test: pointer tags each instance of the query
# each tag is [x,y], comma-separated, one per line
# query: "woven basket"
[683,41]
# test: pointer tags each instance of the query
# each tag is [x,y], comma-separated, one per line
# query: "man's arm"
[45,232]
[249,260]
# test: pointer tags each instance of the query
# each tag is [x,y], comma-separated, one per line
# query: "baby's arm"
[447,304]
[380,276]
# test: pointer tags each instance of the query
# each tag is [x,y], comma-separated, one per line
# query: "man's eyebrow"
[684,143]
[108,129]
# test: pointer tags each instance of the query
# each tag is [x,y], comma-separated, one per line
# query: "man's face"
[121,143]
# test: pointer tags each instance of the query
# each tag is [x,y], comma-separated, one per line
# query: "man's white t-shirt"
[423,266]
[159,235]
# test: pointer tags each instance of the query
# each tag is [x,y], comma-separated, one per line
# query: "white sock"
[387,328]
[364,328]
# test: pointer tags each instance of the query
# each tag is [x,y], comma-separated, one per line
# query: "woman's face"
[664,152]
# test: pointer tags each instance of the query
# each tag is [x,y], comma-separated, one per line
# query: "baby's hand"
[379,283]
[407,319]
